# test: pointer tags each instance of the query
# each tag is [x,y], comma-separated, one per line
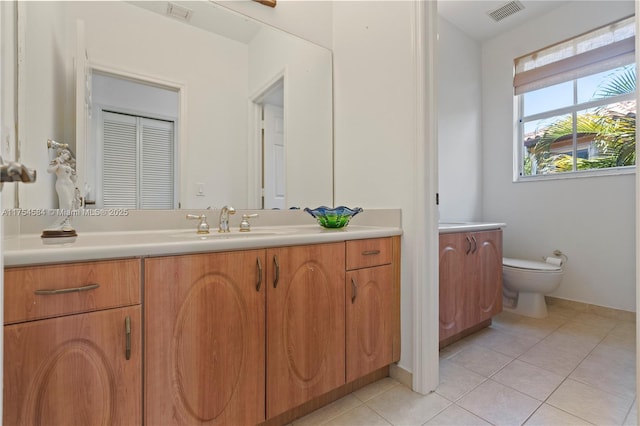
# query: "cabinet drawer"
[366,253]
[54,290]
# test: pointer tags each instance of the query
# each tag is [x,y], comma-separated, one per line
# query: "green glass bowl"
[333,218]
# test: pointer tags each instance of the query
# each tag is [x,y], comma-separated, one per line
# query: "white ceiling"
[471,16]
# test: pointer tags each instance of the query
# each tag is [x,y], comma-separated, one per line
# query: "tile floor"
[572,368]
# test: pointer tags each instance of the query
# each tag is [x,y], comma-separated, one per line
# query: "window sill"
[627,170]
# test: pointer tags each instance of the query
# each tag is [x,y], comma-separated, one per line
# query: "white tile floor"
[572,368]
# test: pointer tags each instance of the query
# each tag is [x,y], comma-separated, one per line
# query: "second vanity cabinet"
[470,282]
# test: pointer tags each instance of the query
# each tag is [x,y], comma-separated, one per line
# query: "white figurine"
[66,179]
[63,165]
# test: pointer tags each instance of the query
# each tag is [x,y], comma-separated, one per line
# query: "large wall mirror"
[182,104]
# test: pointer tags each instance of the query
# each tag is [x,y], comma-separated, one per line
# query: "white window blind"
[138,162]
[605,48]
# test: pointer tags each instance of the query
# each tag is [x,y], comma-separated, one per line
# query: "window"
[576,105]
[138,162]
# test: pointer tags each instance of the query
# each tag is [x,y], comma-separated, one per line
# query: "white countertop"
[450,227]
[127,237]
[31,249]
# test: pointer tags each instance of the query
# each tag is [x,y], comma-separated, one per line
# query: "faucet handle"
[203,226]
[245,226]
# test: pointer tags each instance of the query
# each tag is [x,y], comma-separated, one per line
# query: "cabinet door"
[204,339]
[488,284]
[452,283]
[74,370]
[305,324]
[369,315]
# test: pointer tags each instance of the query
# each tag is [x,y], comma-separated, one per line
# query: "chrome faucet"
[224,218]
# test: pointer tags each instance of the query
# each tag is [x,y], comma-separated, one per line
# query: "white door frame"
[273,169]
[425,285]
[637,221]
[254,149]
[181,133]
[12,22]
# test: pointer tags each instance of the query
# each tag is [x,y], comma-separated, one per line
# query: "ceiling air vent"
[505,10]
[178,12]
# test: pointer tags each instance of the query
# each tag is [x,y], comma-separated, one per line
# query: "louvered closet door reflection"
[119,161]
[138,162]
[156,159]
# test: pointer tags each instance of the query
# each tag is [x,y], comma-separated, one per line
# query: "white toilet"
[525,282]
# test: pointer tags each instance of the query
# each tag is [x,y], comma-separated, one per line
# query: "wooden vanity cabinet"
[305,324]
[470,283]
[369,306]
[79,362]
[230,338]
[205,339]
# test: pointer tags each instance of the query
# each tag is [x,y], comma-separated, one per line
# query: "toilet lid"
[529,264]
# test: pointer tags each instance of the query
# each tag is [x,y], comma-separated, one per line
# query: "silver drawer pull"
[127,331]
[277,266]
[370,252]
[259,265]
[354,290]
[66,290]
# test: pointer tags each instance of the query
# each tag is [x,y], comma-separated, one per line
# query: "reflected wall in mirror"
[226,71]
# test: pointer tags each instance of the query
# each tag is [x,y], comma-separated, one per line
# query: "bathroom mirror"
[224,72]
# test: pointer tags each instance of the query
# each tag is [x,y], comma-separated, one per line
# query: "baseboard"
[603,311]
[400,374]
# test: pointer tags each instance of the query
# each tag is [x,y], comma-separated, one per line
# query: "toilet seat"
[530,265]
